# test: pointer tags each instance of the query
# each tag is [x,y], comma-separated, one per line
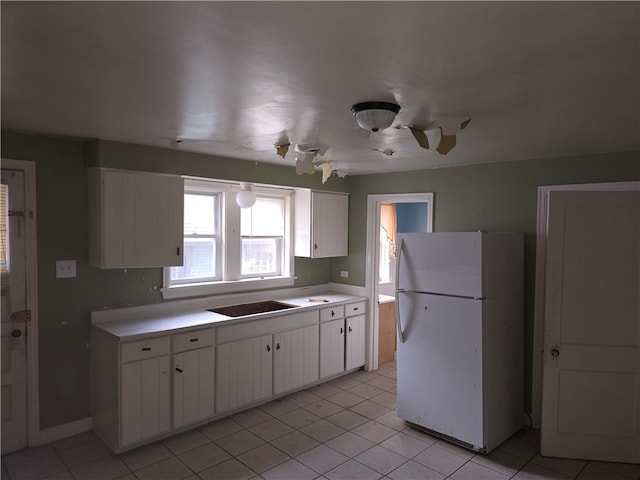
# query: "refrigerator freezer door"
[440,365]
[443,263]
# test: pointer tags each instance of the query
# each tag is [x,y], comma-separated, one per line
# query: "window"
[229,249]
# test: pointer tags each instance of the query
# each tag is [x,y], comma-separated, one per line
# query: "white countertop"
[155,324]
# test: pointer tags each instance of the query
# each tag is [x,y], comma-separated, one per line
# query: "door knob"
[555,353]
[17,333]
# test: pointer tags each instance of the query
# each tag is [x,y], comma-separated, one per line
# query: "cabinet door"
[295,361]
[355,342]
[329,224]
[193,386]
[144,399]
[243,372]
[136,219]
[331,348]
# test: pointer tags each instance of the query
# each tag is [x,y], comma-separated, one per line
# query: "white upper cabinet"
[321,223]
[135,219]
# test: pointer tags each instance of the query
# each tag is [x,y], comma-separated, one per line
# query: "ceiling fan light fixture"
[245,198]
[375,116]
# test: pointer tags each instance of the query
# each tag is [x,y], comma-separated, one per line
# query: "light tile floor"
[344,429]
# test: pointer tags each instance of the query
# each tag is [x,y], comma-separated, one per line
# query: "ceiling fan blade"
[420,137]
[447,142]
[282,149]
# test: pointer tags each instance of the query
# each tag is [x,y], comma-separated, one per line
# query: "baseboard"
[60,432]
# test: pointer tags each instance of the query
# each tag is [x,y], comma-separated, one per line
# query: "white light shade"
[245,198]
[374,116]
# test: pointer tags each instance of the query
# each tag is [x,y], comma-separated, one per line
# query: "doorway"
[388,215]
[19,328]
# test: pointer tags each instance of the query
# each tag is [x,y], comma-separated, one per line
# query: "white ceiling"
[539,79]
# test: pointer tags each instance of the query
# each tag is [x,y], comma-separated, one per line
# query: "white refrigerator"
[459,300]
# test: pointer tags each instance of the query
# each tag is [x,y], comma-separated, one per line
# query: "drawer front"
[232,333]
[192,340]
[331,313]
[140,350]
[355,308]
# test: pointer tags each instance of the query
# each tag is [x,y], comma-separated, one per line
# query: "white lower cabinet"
[144,399]
[295,361]
[331,348]
[193,386]
[243,372]
[354,342]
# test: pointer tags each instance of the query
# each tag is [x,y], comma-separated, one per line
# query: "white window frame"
[230,254]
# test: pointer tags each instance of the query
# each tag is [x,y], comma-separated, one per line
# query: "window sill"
[214,288]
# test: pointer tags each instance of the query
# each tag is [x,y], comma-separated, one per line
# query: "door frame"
[31,266]
[541,252]
[372,260]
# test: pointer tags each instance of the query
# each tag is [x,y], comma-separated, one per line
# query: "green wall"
[486,197]
[493,197]
[64,305]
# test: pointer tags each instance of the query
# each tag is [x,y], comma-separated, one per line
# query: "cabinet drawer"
[331,313]
[153,347]
[355,309]
[192,340]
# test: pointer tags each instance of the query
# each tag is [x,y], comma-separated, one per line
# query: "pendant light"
[245,198]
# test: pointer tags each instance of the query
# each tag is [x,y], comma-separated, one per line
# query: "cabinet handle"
[315,246]
[146,349]
[350,330]
[278,346]
[341,330]
[268,348]
[193,340]
[178,369]
[355,309]
[333,314]
[178,251]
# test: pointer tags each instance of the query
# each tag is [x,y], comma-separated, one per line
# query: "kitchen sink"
[251,308]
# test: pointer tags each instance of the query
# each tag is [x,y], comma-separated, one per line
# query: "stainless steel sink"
[243,309]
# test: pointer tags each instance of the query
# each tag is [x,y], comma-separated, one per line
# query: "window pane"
[265,218]
[261,256]
[199,260]
[199,214]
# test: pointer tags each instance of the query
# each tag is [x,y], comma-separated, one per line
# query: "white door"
[331,348]
[591,364]
[14,301]
[192,386]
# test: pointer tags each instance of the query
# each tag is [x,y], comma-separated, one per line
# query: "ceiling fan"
[376,116]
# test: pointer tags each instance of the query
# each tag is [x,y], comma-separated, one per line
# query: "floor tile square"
[474,471]
[278,407]
[263,458]
[363,375]
[325,390]
[369,409]
[220,428]
[203,457]
[440,460]
[352,470]
[322,430]
[628,469]
[299,418]
[566,466]
[229,470]
[294,443]
[271,429]
[249,418]
[381,459]
[35,466]
[302,398]
[385,383]
[391,419]
[414,471]
[347,419]
[323,408]
[321,458]
[84,453]
[365,390]
[500,462]
[146,455]
[531,471]
[345,399]
[185,441]
[104,469]
[374,431]
[290,470]
[350,444]
[405,445]
[239,442]
[387,399]
[344,383]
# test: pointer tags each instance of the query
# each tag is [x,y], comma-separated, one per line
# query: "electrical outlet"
[344,274]
[65,268]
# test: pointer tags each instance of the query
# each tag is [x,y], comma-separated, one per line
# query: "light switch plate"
[65,268]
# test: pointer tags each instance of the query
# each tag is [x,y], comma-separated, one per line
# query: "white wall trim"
[372,255]
[538,318]
[60,432]
[33,390]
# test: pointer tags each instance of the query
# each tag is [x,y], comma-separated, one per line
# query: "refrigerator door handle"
[398,290]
